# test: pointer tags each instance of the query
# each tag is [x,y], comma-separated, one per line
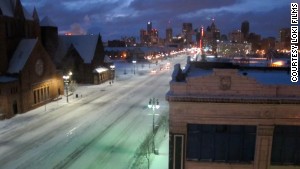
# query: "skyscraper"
[245,29]
[149,36]
[149,26]
[169,35]
[143,36]
[285,38]
[187,32]
[212,35]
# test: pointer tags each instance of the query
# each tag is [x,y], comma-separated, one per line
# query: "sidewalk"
[161,160]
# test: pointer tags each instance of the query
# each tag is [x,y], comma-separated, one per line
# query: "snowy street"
[102,128]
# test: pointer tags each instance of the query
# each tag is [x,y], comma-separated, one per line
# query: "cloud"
[77,29]
[116,18]
[87,19]
[179,6]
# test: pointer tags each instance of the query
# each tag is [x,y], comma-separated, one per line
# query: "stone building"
[233,118]
[28,78]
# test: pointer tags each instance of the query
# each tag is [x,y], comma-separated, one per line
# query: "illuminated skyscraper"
[169,35]
[150,36]
[187,31]
[149,26]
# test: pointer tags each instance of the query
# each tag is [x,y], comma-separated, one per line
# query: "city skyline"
[114,19]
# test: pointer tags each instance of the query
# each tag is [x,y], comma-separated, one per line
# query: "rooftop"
[21,55]
[263,75]
[225,82]
[47,22]
[7,7]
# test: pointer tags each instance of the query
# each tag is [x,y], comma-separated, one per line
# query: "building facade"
[28,78]
[236,36]
[231,50]
[83,55]
[211,38]
[187,32]
[233,119]
[149,37]
[169,35]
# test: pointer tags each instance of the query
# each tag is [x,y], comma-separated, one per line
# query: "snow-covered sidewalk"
[161,160]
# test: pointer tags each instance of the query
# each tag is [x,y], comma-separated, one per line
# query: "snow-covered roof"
[21,55]
[100,70]
[6,79]
[47,22]
[269,77]
[84,44]
[7,8]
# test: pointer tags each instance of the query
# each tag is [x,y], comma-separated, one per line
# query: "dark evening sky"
[116,18]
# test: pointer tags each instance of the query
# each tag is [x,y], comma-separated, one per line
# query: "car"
[153,71]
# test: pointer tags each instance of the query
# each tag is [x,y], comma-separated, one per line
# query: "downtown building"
[187,33]
[28,76]
[149,37]
[210,38]
[225,117]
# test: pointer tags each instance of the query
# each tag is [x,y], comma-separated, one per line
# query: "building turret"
[49,33]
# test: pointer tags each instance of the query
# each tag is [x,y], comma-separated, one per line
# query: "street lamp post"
[112,73]
[67,82]
[153,104]
[134,62]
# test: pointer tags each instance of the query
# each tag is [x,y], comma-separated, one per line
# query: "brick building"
[84,56]
[28,78]
[233,119]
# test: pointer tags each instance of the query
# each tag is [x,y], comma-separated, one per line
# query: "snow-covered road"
[100,129]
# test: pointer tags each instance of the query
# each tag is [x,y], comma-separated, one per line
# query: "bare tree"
[73,86]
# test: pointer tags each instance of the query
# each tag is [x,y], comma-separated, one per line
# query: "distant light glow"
[277,64]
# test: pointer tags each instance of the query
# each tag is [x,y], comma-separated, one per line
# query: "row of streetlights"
[67,79]
[153,103]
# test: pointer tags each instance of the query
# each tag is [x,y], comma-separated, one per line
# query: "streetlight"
[134,62]
[67,82]
[112,72]
[153,104]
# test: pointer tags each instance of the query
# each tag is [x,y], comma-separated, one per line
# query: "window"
[38,96]
[45,94]
[286,145]
[48,92]
[176,150]
[13,90]
[41,94]
[221,143]
[34,97]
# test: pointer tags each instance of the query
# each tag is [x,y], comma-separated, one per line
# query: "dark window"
[223,143]
[42,94]
[46,94]
[34,97]
[38,95]
[178,152]
[286,145]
